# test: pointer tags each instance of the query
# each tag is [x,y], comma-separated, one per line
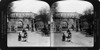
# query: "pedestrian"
[72,27]
[27,26]
[63,37]
[12,28]
[19,37]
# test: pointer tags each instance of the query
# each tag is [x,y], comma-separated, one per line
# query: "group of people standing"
[66,32]
[67,35]
[22,36]
[22,33]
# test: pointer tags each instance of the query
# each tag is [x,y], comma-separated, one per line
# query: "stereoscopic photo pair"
[64,24]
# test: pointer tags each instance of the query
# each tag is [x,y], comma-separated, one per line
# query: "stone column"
[76,24]
[32,24]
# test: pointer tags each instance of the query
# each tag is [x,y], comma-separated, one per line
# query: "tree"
[44,16]
[88,11]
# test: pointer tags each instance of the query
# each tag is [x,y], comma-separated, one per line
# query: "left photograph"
[28,24]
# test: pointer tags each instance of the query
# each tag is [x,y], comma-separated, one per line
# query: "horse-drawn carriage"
[22,36]
[66,34]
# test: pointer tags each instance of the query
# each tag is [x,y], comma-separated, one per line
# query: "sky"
[73,6]
[64,6]
[29,6]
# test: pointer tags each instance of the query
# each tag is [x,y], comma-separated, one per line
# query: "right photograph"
[73,24]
